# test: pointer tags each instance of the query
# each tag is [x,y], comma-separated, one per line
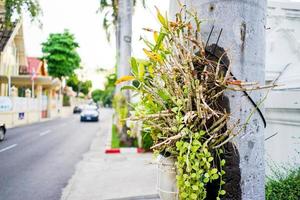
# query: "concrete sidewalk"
[101,176]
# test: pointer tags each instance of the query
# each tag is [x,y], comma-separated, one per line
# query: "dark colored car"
[2,132]
[89,113]
[77,109]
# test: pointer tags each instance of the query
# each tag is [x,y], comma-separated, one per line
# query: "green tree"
[106,96]
[73,82]
[60,53]
[85,87]
[97,95]
[79,86]
[15,7]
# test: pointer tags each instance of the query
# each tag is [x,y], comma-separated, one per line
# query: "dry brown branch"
[170,139]
[151,116]
[253,88]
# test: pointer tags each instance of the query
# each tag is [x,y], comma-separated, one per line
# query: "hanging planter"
[166,178]
[183,107]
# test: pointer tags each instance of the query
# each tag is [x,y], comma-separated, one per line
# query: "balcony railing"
[23,70]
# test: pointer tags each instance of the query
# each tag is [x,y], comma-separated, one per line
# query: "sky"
[82,19]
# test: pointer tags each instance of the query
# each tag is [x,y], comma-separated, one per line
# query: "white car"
[89,113]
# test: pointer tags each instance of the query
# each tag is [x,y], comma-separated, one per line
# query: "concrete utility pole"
[243,24]
[125,33]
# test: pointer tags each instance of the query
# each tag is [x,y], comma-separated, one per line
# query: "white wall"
[283,103]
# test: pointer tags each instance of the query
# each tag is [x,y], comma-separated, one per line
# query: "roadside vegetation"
[284,185]
[78,85]
[105,96]
[115,141]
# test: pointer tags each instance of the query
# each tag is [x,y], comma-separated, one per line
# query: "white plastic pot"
[166,179]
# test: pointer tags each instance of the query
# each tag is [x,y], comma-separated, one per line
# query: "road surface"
[36,161]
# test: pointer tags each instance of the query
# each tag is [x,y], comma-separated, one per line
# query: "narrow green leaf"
[141,71]
[128,87]
[134,66]
[160,39]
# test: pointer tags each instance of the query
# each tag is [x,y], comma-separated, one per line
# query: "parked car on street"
[2,132]
[89,113]
[77,109]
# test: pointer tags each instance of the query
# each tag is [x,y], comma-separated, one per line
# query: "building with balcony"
[27,93]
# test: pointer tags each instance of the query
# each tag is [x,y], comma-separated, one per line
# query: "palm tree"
[110,10]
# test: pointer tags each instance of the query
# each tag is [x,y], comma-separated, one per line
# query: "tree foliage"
[60,53]
[284,185]
[105,96]
[79,86]
[86,86]
[15,7]
[110,10]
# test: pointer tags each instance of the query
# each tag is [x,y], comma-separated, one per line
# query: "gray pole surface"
[125,34]
[243,24]
[124,40]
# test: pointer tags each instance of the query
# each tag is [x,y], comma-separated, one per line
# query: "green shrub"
[147,141]
[115,140]
[121,107]
[284,186]
[66,100]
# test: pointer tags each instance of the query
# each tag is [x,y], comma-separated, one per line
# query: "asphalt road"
[36,161]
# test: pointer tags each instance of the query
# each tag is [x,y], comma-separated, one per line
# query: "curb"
[149,197]
[128,150]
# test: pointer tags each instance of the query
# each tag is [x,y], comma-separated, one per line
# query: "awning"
[25,80]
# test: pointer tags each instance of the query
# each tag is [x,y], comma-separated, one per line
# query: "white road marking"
[7,148]
[45,133]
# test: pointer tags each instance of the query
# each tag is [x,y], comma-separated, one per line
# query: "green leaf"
[196,143]
[202,133]
[151,70]
[161,19]
[128,87]
[195,187]
[134,66]
[184,195]
[214,171]
[141,71]
[178,144]
[223,162]
[205,180]
[193,196]
[174,110]
[164,94]
[187,183]
[215,177]
[222,192]
[159,41]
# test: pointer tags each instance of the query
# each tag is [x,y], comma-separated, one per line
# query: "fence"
[15,111]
